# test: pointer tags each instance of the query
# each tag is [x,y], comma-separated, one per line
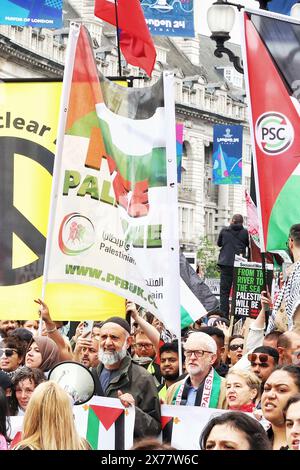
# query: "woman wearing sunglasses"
[235,349]
[12,352]
[283,383]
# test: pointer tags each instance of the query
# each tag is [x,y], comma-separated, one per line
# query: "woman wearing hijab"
[42,353]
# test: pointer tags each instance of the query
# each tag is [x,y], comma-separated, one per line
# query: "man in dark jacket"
[117,376]
[233,240]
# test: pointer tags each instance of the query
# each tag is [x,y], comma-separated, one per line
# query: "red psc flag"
[135,40]
[272,64]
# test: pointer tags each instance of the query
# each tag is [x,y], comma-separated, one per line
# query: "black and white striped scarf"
[290,294]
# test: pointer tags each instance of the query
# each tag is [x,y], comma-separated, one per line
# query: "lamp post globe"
[295,11]
[220,18]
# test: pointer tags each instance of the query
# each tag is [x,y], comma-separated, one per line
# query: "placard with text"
[247,286]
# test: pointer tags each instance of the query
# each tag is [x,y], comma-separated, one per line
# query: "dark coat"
[233,240]
[134,379]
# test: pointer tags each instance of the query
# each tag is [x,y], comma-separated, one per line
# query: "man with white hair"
[117,376]
[202,386]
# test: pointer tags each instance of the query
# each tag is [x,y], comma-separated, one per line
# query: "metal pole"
[118,39]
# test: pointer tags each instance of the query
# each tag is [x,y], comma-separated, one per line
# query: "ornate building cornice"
[191,112]
[27,58]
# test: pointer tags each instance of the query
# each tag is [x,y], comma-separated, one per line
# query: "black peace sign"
[11,219]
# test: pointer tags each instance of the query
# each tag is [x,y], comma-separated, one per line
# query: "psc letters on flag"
[114,204]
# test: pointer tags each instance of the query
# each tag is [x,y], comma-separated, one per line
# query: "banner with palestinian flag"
[271,61]
[113,221]
[105,423]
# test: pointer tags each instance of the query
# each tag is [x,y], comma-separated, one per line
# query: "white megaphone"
[75,379]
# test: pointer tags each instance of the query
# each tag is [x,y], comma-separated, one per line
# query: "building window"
[247,183]
[248,153]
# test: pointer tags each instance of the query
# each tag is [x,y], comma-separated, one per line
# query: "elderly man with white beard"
[202,386]
[117,376]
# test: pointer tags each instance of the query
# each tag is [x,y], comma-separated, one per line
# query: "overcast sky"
[201,7]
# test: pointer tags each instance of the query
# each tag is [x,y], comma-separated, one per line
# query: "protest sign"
[247,286]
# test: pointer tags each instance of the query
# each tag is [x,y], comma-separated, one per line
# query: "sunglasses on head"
[7,351]
[260,356]
[235,347]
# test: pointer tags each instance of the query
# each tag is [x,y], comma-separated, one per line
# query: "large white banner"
[113,221]
[104,422]
[182,425]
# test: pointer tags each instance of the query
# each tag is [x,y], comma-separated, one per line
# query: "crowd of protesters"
[253,376]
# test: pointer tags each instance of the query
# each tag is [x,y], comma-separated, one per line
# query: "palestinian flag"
[272,70]
[106,427]
[136,164]
[196,298]
[167,428]
[191,309]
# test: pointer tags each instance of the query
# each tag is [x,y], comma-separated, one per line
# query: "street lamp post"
[220,19]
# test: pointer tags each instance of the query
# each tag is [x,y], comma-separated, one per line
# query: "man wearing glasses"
[202,386]
[145,354]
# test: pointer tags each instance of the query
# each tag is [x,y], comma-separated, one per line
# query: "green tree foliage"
[207,256]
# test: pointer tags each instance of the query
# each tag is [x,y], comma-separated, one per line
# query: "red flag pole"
[118,39]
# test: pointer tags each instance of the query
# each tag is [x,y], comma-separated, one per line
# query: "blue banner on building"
[35,13]
[281,6]
[227,154]
[169,17]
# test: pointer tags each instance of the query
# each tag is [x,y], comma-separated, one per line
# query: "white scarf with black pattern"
[290,294]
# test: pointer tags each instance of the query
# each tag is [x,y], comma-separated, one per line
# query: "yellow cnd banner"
[28,128]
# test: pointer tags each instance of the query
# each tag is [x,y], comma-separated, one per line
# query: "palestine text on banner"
[269,57]
[135,40]
[114,209]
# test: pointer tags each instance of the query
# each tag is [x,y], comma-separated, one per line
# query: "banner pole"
[118,39]
[265,285]
[68,72]
[180,355]
[264,272]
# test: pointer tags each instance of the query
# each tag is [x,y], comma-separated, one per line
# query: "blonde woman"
[48,421]
[242,390]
